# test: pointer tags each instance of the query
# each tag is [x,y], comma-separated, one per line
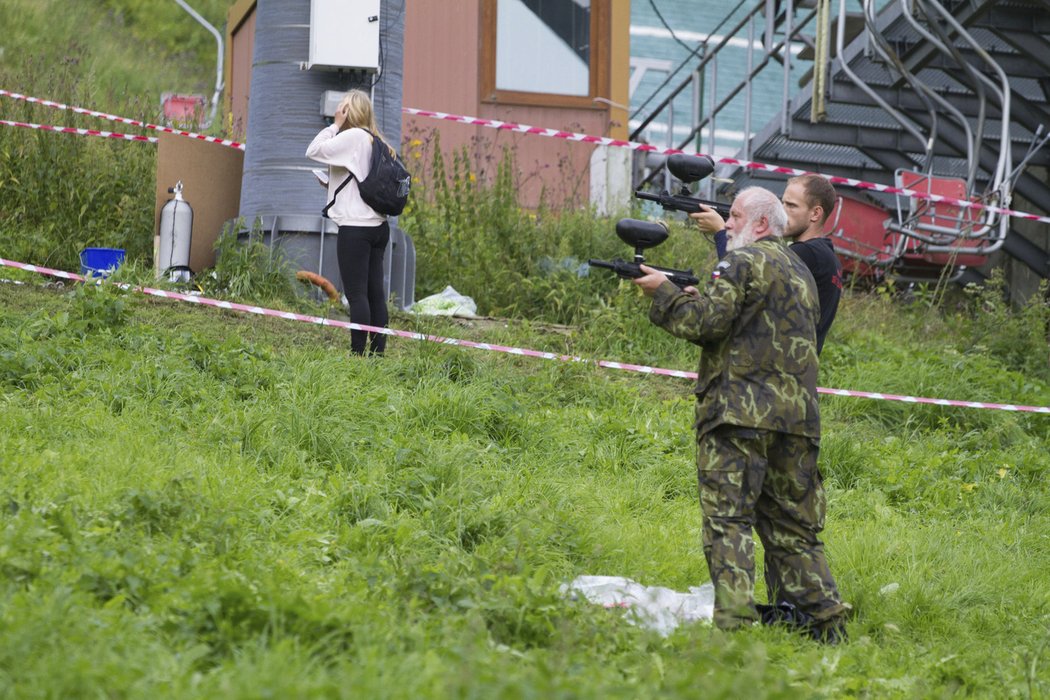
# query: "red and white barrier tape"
[81,132]
[123,120]
[643,369]
[750,165]
[539,131]
[583,138]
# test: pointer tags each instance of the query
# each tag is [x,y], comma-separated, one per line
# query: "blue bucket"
[100,262]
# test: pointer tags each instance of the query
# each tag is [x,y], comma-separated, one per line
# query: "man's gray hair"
[758,203]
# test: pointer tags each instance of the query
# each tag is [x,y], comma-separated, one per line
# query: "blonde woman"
[346,148]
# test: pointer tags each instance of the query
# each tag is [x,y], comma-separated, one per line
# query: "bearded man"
[757,419]
[808,201]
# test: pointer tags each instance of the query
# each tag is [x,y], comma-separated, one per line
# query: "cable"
[692,54]
[667,26]
[382,57]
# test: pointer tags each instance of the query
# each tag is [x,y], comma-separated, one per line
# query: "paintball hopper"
[641,235]
[690,168]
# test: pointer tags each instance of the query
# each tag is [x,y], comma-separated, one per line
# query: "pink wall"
[442,73]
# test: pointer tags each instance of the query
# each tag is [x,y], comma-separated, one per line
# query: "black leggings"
[360,250]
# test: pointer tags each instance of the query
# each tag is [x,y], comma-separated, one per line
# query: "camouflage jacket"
[756,325]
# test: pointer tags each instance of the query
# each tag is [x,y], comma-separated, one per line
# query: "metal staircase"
[943,96]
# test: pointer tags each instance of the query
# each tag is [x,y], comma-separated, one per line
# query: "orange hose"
[319,281]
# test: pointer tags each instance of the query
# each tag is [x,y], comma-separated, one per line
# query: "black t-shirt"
[819,256]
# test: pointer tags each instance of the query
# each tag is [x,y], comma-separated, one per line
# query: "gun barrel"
[602,264]
[670,201]
[683,203]
[621,268]
[626,270]
[648,196]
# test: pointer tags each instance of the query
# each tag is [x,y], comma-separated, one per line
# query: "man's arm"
[710,221]
[701,317]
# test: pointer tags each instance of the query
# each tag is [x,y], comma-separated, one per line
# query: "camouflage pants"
[768,481]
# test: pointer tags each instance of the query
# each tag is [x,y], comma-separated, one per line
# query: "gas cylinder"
[176,232]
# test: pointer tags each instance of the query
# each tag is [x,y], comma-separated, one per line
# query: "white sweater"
[343,152]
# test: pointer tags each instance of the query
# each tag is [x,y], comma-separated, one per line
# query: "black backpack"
[388,183]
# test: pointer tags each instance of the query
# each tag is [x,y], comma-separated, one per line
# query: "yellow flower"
[1002,472]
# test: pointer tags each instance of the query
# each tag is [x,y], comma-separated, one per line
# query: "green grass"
[199,503]
[60,193]
[196,503]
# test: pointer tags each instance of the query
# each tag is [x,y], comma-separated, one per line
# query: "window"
[545,52]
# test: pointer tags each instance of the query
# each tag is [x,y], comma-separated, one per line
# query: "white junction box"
[330,102]
[344,34]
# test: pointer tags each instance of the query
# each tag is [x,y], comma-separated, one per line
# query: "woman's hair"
[359,112]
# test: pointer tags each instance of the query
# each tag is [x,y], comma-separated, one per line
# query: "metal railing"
[772,32]
[780,35]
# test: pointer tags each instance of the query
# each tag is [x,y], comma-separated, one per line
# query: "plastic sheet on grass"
[653,607]
[447,302]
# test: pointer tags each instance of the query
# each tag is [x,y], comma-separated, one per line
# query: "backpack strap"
[375,139]
[344,183]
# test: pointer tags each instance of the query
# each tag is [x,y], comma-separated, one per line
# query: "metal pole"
[747,90]
[218,61]
[698,102]
[670,143]
[785,120]
[714,100]
[818,105]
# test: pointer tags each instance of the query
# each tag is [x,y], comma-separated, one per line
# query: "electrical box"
[344,34]
[330,102]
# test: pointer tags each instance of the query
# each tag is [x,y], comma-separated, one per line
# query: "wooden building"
[561,65]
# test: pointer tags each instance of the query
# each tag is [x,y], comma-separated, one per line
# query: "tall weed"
[1019,338]
[60,193]
[250,271]
[471,232]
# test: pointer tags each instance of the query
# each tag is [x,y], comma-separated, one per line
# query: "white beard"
[739,239]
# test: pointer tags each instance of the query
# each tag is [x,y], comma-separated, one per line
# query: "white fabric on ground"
[653,607]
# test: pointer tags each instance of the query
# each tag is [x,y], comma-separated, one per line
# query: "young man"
[757,418]
[808,201]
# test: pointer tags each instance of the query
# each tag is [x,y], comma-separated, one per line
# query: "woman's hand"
[340,118]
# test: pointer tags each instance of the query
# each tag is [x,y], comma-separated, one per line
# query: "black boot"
[831,631]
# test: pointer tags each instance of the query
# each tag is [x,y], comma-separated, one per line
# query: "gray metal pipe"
[279,193]
[284,112]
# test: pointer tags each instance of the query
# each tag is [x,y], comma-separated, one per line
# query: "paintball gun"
[642,235]
[688,169]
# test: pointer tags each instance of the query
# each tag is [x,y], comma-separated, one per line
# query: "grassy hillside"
[197,504]
[118,52]
[61,193]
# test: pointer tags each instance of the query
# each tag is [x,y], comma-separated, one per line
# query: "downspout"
[818,105]
[218,68]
